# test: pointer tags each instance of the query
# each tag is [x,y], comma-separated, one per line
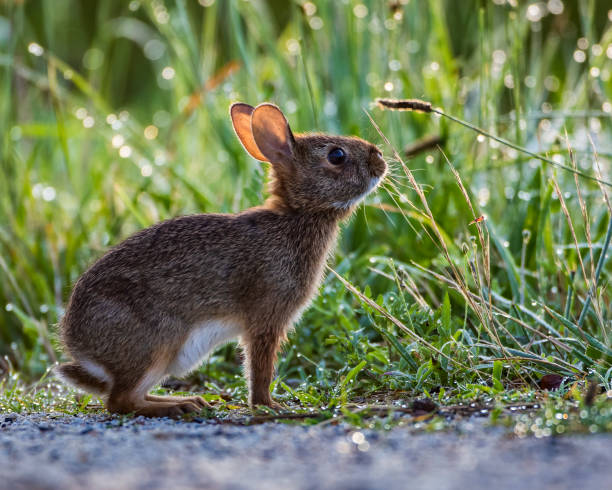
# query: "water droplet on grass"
[48,194]
[93,58]
[117,140]
[579,56]
[360,11]
[316,23]
[168,73]
[309,9]
[146,170]
[125,151]
[154,49]
[150,132]
[35,49]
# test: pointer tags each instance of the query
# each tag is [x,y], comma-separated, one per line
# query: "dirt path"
[53,452]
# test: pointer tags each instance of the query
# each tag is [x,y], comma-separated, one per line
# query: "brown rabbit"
[159,302]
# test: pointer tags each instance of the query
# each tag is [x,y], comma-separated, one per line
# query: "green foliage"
[121,120]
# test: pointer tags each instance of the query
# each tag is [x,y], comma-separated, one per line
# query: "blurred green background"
[114,115]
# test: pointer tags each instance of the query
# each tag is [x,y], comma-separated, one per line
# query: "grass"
[120,122]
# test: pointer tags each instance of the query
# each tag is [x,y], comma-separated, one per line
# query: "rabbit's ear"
[272,134]
[241,120]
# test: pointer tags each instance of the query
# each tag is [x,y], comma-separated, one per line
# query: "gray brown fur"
[130,314]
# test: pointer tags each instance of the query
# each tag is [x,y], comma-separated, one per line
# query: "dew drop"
[35,49]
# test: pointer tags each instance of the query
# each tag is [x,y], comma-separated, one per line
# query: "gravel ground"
[55,451]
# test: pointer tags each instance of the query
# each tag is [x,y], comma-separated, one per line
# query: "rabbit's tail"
[86,375]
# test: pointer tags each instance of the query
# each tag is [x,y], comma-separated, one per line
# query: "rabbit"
[156,304]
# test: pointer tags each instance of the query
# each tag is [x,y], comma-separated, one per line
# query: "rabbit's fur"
[160,301]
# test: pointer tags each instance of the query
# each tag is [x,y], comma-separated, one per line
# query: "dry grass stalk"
[570,223]
[405,105]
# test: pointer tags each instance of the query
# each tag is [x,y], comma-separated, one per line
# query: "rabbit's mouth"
[374,181]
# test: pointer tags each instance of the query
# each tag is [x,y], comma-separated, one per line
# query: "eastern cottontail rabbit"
[158,303]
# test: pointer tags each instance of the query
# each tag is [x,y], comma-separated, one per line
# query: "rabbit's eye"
[336,156]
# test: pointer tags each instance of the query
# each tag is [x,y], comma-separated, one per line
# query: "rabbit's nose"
[378,166]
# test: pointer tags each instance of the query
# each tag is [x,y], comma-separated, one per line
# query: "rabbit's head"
[311,171]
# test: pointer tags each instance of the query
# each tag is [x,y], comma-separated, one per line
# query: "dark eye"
[336,156]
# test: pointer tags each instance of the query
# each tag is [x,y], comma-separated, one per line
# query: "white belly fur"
[200,342]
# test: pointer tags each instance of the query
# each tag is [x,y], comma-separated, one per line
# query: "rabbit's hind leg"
[149,408]
[129,397]
[198,400]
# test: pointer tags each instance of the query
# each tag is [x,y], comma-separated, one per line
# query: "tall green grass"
[117,117]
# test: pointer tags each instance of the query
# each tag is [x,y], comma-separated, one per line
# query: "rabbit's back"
[196,267]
